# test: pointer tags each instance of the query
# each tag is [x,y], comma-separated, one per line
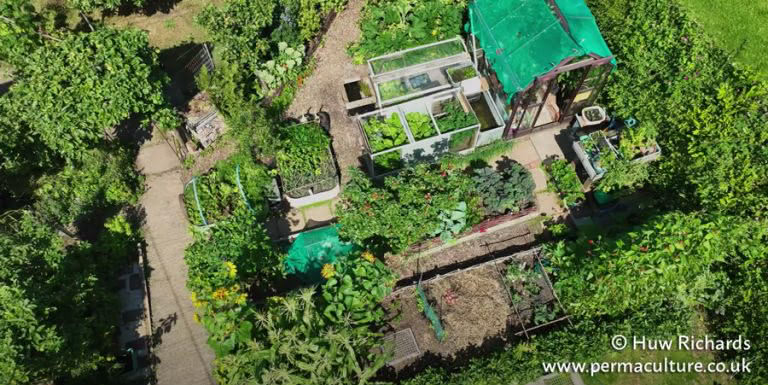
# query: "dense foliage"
[92,5]
[58,306]
[237,182]
[21,30]
[354,288]
[405,209]
[70,93]
[304,152]
[384,134]
[106,181]
[710,116]
[426,201]
[565,182]
[299,335]
[454,117]
[390,26]
[510,188]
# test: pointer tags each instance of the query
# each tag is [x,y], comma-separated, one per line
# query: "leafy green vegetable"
[385,134]
[453,117]
[421,125]
[509,189]
[565,181]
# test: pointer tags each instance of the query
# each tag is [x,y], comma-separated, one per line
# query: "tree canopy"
[67,95]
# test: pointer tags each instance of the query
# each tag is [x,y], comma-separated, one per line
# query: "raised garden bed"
[451,115]
[467,77]
[481,227]
[306,166]
[478,307]
[591,148]
[235,183]
[358,95]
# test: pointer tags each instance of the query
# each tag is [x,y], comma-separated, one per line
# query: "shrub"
[709,115]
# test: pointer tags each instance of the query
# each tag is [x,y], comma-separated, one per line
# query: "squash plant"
[384,134]
[390,26]
[352,294]
[452,222]
[421,125]
[508,189]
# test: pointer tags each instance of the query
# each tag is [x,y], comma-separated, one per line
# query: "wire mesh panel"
[401,345]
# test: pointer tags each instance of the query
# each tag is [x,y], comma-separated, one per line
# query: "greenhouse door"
[583,93]
[536,107]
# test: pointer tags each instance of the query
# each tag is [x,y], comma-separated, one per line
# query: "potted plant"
[591,116]
[467,77]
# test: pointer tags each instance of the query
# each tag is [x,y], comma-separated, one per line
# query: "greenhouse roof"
[523,39]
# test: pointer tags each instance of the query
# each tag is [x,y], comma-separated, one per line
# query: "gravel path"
[323,89]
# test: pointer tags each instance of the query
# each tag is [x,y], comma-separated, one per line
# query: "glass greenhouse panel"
[415,56]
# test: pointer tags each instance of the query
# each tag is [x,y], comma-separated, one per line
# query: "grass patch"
[738,26]
[630,355]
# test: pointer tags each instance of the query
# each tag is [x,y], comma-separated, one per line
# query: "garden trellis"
[214,196]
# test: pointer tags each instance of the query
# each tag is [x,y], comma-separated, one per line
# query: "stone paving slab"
[181,353]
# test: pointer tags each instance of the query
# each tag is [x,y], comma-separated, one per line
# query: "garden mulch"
[474,309]
[322,91]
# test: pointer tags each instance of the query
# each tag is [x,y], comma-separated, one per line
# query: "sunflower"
[328,271]
[368,256]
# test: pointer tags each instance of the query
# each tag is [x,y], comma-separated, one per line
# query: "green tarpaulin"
[312,249]
[523,39]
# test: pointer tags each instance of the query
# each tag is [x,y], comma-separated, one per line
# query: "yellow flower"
[368,256]
[196,317]
[328,271]
[434,32]
[220,293]
[232,269]
[241,299]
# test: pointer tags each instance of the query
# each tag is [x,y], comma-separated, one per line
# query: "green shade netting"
[313,249]
[523,39]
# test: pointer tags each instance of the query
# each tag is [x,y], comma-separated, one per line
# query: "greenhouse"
[545,60]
